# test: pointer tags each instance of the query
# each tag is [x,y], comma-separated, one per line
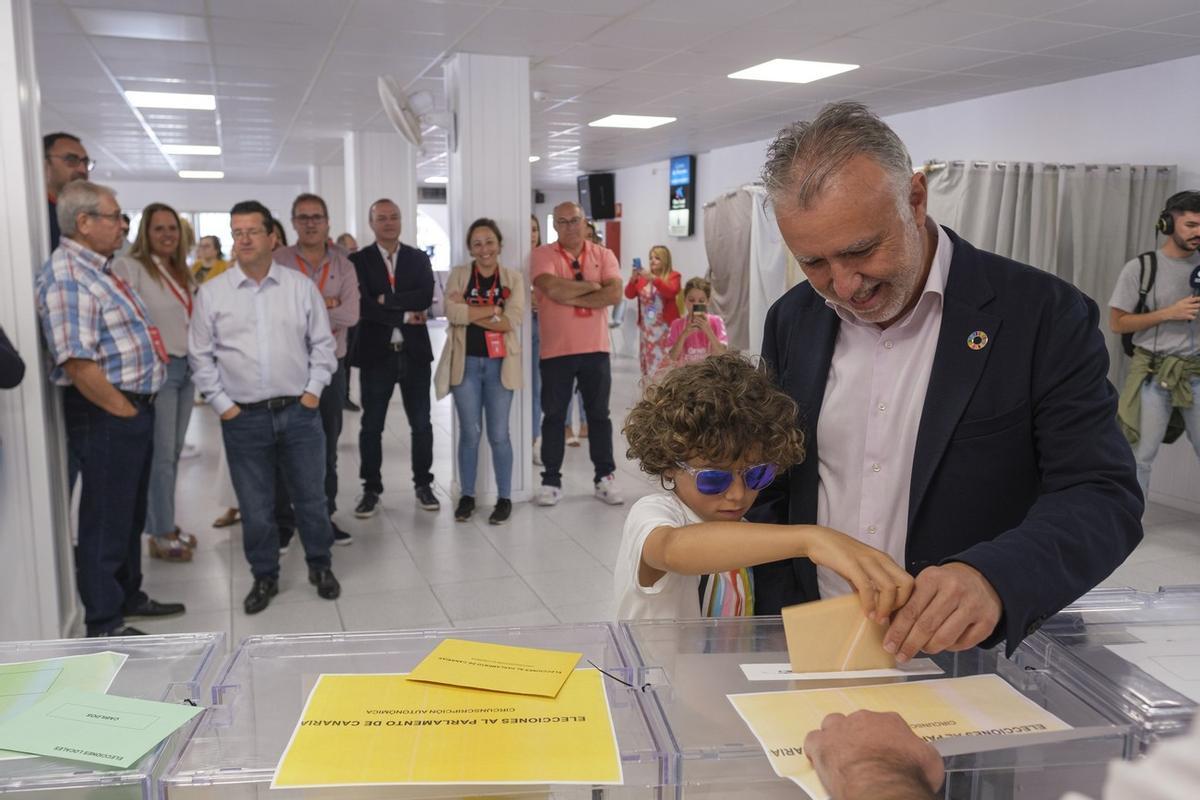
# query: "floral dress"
[655,314]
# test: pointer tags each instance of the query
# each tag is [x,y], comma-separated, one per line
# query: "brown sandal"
[230,517]
[187,539]
[169,550]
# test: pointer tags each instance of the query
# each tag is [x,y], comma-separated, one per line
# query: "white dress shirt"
[249,342]
[867,430]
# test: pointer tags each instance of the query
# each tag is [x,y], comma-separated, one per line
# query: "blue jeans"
[535,338]
[482,395]
[172,412]
[1156,412]
[259,442]
[113,459]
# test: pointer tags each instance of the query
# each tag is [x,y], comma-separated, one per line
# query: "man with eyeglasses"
[575,281]
[111,361]
[66,161]
[262,353]
[337,282]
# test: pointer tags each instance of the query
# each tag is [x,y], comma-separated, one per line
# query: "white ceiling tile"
[529,45]
[854,50]
[707,63]
[253,58]
[140,49]
[657,35]
[1188,25]
[613,7]
[263,33]
[518,23]
[1122,44]
[383,41]
[945,59]
[753,45]
[1026,65]
[1032,36]
[705,11]
[952,82]
[321,14]
[1010,8]
[836,19]
[934,26]
[603,57]
[876,77]
[413,16]
[1123,13]
[193,7]
[159,72]
[572,76]
[49,18]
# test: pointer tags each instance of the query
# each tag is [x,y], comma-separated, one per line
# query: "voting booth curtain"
[1081,222]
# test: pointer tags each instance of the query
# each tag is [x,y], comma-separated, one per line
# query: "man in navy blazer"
[955,404]
[395,283]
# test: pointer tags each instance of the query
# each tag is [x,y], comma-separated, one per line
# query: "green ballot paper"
[96,728]
[24,683]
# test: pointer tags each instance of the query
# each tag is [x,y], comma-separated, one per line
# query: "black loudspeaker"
[597,195]
[539,197]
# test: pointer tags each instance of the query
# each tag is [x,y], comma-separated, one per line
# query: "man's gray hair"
[805,155]
[79,197]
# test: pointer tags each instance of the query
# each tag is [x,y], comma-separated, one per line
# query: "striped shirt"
[88,313]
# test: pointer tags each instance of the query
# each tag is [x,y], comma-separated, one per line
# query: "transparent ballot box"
[260,695]
[688,668]
[175,668]
[1138,652]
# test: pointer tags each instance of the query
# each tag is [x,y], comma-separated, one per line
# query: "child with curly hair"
[715,434]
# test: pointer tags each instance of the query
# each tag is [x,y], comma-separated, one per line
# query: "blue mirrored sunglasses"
[716,481]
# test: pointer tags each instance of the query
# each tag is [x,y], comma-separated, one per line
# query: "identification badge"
[583,312]
[160,348]
[495,344]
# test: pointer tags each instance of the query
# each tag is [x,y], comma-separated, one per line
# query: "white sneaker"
[549,496]
[537,451]
[606,490]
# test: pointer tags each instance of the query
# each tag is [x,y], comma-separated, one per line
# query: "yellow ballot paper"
[385,730]
[498,667]
[834,636]
[935,709]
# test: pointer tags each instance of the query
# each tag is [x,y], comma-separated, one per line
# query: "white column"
[331,185]
[379,165]
[37,595]
[489,177]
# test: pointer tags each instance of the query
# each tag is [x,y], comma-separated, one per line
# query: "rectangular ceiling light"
[202,174]
[437,179]
[790,70]
[191,149]
[534,159]
[630,121]
[194,102]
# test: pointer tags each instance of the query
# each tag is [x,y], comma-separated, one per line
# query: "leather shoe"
[367,506]
[153,608]
[260,595]
[327,585]
[124,630]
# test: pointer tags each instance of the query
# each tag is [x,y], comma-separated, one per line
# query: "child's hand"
[882,585]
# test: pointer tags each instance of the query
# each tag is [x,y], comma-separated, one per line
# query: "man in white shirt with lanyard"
[262,352]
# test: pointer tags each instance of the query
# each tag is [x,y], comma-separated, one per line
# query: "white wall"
[554,196]
[208,196]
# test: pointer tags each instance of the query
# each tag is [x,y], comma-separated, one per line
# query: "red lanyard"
[185,297]
[494,292]
[570,261]
[324,273]
[391,271]
[125,290]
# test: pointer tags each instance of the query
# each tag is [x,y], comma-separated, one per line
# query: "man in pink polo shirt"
[575,280]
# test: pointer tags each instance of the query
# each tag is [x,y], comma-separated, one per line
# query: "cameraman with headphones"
[1156,303]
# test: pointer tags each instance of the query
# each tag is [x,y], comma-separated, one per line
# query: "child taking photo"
[697,334]
[715,434]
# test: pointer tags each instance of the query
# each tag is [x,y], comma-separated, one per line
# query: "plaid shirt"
[87,314]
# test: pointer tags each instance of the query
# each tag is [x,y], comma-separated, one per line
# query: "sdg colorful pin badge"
[977,340]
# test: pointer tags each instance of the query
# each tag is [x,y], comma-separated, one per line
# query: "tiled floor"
[410,568]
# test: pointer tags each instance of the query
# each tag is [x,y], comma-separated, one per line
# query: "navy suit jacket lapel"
[956,367]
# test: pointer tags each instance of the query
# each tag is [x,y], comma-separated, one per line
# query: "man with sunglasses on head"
[575,281]
[111,360]
[337,282]
[66,160]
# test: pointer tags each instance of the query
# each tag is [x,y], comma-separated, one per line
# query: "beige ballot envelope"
[834,636]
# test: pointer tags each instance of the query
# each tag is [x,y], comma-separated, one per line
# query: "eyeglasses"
[113,217]
[73,161]
[716,481]
[248,233]
[309,219]
[577,269]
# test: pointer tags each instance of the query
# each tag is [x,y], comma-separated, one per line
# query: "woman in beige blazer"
[481,362]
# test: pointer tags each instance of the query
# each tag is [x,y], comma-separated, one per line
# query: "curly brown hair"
[722,409]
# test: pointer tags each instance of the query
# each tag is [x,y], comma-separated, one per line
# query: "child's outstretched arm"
[882,585]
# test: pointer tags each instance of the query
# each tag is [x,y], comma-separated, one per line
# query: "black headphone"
[1166,220]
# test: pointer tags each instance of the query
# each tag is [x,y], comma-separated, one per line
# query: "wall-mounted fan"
[408,113]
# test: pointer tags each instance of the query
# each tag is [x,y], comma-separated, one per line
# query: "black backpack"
[1144,287]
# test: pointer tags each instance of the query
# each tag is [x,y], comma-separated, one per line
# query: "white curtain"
[1080,222]
[727,228]
[768,265]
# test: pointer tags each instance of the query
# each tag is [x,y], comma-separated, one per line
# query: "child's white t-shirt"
[673,596]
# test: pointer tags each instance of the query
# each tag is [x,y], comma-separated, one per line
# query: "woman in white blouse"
[156,268]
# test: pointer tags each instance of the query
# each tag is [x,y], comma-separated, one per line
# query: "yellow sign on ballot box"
[498,667]
[386,730]
[978,705]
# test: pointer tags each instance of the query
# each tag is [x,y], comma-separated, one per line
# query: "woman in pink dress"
[698,334]
[656,291]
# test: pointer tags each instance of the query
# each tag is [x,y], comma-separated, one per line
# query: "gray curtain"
[1080,222]
[727,245]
